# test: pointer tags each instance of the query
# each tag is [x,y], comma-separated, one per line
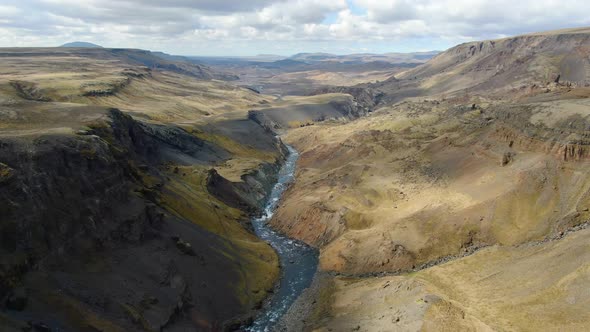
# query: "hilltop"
[79,44]
[514,66]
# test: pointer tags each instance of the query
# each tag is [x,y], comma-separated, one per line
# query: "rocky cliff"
[95,236]
[538,61]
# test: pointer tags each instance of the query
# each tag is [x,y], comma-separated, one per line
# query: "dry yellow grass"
[529,288]
[414,183]
[540,287]
[415,179]
[159,95]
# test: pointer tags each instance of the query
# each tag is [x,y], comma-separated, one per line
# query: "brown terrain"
[304,73]
[450,195]
[459,204]
[127,182]
[107,222]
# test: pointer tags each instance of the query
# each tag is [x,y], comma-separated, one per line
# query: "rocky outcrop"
[576,151]
[506,158]
[313,224]
[105,91]
[29,91]
[350,110]
[266,122]
[85,232]
[260,181]
[251,193]
[552,142]
[337,108]
[365,99]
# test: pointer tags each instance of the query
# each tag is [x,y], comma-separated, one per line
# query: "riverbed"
[298,261]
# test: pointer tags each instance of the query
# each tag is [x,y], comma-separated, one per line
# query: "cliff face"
[341,104]
[248,195]
[494,57]
[366,98]
[512,65]
[97,235]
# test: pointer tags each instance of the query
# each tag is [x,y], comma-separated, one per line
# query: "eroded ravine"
[298,261]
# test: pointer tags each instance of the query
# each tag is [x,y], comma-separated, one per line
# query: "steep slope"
[292,112]
[117,223]
[517,65]
[432,180]
[420,184]
[477,172]
[496,289]
[94,210]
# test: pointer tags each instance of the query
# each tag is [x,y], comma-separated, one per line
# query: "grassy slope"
[186,196]
[160,97]
[163,96]
[423,180]
[529,288]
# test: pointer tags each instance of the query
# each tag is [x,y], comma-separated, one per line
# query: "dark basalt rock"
[248,195]
[17,300]
[80,229]
[28,91]
[267,123]
[365,97]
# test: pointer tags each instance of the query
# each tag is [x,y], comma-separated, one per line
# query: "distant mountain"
[305,59]
[224,60]
[171,57]
[175,63]
[393,58]
[268,57]
[81,44]
[313,56]
[285,64]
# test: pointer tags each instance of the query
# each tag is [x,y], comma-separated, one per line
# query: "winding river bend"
[298,261]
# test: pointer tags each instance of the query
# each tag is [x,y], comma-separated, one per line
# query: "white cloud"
[9,11]
[187,26]
[479,18]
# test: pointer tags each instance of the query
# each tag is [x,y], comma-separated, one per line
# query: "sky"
[284,27]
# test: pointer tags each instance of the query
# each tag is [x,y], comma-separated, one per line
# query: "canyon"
[442,191]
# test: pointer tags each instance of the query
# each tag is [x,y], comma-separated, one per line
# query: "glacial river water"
[298,261]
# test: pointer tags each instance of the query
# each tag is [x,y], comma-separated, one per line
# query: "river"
[298,261]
